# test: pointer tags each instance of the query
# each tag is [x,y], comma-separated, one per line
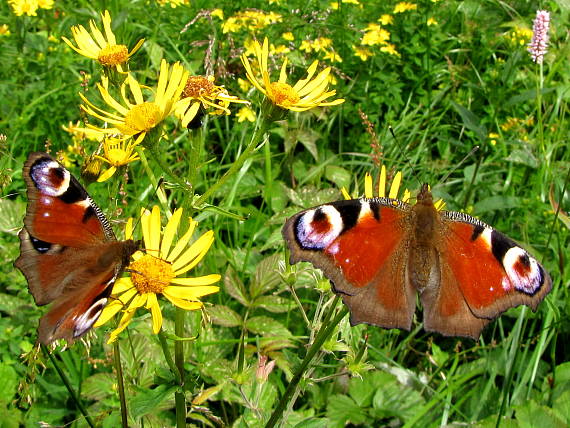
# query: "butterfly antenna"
[452,170]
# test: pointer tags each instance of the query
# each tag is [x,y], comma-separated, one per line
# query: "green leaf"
[471,121]
[523,156]
[493,203]
[362,391]
[265,326]
[224,316]
[8,383]
[98,387]
[275,304]
[531,415]
[150,400]
[339,176]
[342,410]
[11,214]
[266,276]
[235,287]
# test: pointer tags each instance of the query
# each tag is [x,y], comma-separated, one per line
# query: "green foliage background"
[452,88]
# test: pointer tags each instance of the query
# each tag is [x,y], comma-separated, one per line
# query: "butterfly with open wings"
[380,252]
[68,251]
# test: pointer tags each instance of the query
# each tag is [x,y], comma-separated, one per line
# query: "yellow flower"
[362,53]
[404,7]
[45,4]
[201,91]
[288,36]
[173,3]
[245,113]
[142,116]
[27,7]
[102,48]
[80,134]
[493,138]
[390,49]
[304,95]
[374,35]
[251,19]
[432,21]
[4,30]
[243,84]
[386,19]
[332,57]
[218,13]
[118,153]
[381,189]
[158,271]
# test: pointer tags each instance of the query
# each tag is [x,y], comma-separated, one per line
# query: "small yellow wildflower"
[158,271]
[362,53]
[4,30]
[142,116]
[375,35]
[386,19]
[201,91]
[217,13]
[24,7]
[332,57]
[118,152]
[253,20]
[45,4]
[102,48]
[432,21]
[288,36]
[390,49]
[243,84]
[172,3]
[404,7]
[245,113]
[304,95]
[493,138]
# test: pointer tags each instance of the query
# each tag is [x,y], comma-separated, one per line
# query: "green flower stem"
[168,355]
[160,193]
[264,123]
[268,177]
[157,157]
[70,389]
[196,139]
[120,383]
[179,396]
[327,328]
[539,88]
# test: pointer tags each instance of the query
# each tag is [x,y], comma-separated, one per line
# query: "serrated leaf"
[150,400]
[224,316]
[234,287]
[8,383]
[524,156]
[265,326]
[98,387]
[308,138]
[531,414]
[342,410]
[275,304]
[266,276]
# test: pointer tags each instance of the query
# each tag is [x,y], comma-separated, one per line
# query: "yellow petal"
[129,229]
[169,232]
[382,183]
[152,304]
[122,285]
[107,174]
[184,304]
[395,185]
[368,186]
[109,312]
[190,114]
[345,194]
[198,280]
[189,293]
[182,242]
[283,73]
[125,320]
[194,254]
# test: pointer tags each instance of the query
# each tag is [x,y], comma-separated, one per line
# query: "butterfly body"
[68,251]
[380,253]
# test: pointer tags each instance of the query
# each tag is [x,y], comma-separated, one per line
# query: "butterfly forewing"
[68,251]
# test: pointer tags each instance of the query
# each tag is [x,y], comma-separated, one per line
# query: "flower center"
[151,274]
[117,157]
[197,86]
[283,94]
[143,117]
[113,55]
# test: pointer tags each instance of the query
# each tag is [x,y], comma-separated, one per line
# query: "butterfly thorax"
[423,253]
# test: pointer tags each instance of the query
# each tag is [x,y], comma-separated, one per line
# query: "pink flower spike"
[539,42]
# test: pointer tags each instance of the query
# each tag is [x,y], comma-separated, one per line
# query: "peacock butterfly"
[379,252]
[68,251]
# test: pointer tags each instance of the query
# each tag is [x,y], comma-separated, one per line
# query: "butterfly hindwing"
[360,247]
